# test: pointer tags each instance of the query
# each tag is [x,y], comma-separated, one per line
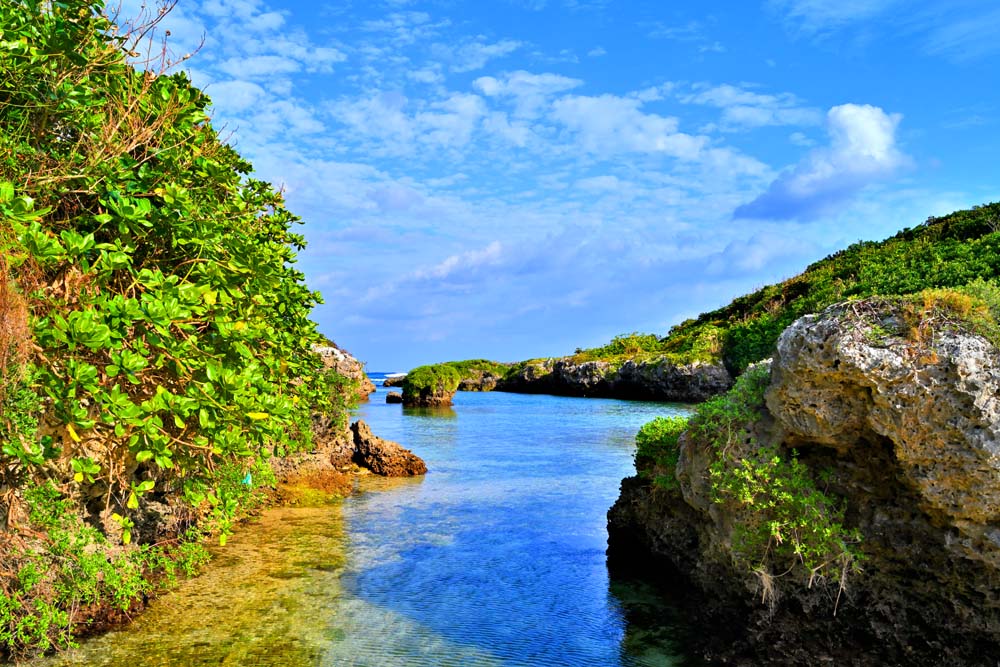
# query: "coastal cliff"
[841,505]
[657,379]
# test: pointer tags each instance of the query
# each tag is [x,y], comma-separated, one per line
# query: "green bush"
[657,448]
[471,369]
[427,380]
[170,348]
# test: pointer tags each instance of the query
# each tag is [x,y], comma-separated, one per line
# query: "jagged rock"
[394,397]
[482,382]
[907,434]
[394,381]
[345,364]
[384,457]
[653,379]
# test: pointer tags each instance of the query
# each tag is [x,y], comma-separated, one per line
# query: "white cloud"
[742,108]
[428,74]
[473,55]
[610,124]
[530,92]
[597,52]
[862,151]
[819,16]
[235,96]
[467,261]
[966,37]
[260,66]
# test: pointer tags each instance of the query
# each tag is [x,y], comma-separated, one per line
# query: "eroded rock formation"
[906,434]
[384,457]
[654,379]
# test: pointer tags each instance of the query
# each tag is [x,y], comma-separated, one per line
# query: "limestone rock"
[348,366]
[394,381]
[651,379]
[384,457]
[907,435]
[394,397]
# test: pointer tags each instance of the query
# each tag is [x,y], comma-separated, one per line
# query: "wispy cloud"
[744,108]
[812,17]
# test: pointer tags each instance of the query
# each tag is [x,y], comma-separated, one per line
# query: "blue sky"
[518,178]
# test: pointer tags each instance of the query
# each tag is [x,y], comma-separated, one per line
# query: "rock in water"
[901,425]
[384,457]
[394,397]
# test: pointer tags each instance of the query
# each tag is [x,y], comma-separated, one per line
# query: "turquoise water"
[495,557]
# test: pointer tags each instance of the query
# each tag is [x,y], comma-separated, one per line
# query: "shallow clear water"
[496,557]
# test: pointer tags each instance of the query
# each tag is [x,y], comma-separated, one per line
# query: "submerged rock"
[905,434]
[384,457]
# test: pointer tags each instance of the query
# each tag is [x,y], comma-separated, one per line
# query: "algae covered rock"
[384,457]
[882,417]
[430,386]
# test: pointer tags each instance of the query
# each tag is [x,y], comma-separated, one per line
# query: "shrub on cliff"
[657,449]
[170,339]
[783,523]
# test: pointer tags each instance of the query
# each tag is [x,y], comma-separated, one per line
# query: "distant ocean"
[379,378]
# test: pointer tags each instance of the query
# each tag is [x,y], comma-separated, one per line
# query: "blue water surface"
[502,545]
[495,558]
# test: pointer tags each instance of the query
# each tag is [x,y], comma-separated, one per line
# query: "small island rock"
[384,457]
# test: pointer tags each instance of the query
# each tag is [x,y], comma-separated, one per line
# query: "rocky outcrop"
[394,381]
[341,361]
[384,457]
[394,397]
[905,433]
[653,379]
[480,381]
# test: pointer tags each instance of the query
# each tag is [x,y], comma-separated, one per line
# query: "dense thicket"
[950,251]
[155,340]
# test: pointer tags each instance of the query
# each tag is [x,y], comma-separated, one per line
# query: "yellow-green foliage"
[428,380]
[657,449]
[170,332]
[471,369]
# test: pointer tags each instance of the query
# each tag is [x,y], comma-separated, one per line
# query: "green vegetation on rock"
[430,380]
[658,449]
[783,521]
[473,368]
[156,338]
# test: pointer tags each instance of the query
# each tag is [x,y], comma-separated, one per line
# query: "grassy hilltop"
[951,251]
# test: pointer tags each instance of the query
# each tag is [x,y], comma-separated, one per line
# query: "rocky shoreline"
[901,423]
[657,379]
